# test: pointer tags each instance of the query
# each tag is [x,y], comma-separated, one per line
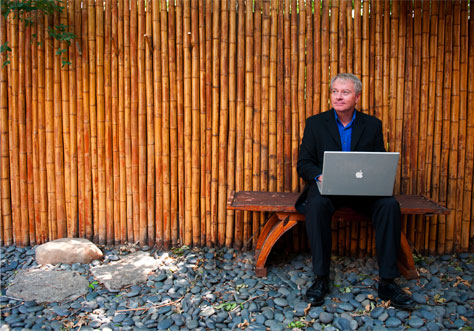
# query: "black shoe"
[398,298]
[316,293]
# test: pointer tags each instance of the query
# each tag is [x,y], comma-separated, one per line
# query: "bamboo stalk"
[317,57]
[276,172]
[333,64]
[186,205]
[65,150]
[293,122]
[165,128]
[240,118]
[150,128]
[229,227]
[249,104]
[180,122]
[287,120]
[223,104]
[7,233]
[357,64]
[203,107]
[342,37]
[79,52]
[325,55]
[115,222]
[393,75]
[365,58]
[265,97]
[378,74]
[22,138]
[142,126]
[109,126]
[301,74]
[196,127]
[73,97]
[158,97]
[309,62]
[173,125]
[257,113]
[88,194]
[208,38]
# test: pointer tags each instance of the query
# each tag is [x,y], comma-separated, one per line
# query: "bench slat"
[285,202]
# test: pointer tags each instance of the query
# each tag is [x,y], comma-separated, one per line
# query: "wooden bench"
[284,216]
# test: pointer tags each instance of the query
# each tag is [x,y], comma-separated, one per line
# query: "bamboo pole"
[22,137]
[431,119]
[223,104]
[115,95]
[186,206]
[286,152]
[182,191]
[203,106]
[257,113]
[208,38]
[462,229]
[365,57]
[467,215]
[134,127]
[127,111]
[378,74]
[173,125]
[59,146]
[276,172]
[350,37]
[35,220]
[65,150]
[393,75]
[301,74]
[79,52]
[110,125]
[73,97]
[86,227]
[240,118]
[229,226]
[165,128]
[293,106]
[150,127]
[7,233]
[30,230]
[249,104]
[453,223]
[325,55]
[342,37]
[91,19]
[157,100]
[446,222]
[333,45]
[317,38]
[438,127]
[196,127]
[357,64]
[309,62]
[265,97]
[142,126]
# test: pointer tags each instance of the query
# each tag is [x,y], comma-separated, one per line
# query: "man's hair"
[351,77]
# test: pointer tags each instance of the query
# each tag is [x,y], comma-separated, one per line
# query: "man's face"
[343,96]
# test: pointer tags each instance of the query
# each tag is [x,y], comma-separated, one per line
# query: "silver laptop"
[358,173]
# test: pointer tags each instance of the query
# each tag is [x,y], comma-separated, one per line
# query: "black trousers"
[384,213]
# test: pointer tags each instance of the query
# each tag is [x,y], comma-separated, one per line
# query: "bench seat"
[284,216]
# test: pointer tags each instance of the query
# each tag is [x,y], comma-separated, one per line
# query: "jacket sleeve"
[379,144]
[308,166]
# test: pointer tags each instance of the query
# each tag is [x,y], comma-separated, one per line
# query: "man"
[343,128]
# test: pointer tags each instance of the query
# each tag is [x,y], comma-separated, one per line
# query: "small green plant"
[179,251]
[227,306]
[299,324]
[93,284]
[345,289]
[240,286]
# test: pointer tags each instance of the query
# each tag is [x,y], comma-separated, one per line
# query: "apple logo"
[359,174]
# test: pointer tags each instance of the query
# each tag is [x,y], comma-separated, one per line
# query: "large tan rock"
[68,251]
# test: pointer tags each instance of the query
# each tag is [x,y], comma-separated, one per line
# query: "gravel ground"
[216,289]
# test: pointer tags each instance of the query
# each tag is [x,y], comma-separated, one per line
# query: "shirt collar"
[350,123]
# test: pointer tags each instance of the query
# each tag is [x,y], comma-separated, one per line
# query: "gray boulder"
[48,286]
[68,251]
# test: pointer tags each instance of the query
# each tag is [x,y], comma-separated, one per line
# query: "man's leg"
[318,212]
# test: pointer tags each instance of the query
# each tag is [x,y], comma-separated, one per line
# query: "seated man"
[343,128]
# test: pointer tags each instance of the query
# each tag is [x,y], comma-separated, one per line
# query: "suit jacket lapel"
[332,127]
[357,130]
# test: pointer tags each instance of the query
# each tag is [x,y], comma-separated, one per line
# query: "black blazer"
[321,134]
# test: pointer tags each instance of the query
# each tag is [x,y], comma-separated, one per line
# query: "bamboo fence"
[168,106]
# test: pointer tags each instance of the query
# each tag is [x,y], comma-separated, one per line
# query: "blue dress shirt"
[345,132]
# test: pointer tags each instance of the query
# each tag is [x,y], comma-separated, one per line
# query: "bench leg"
[265,231]
[268,240]
[405,262]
